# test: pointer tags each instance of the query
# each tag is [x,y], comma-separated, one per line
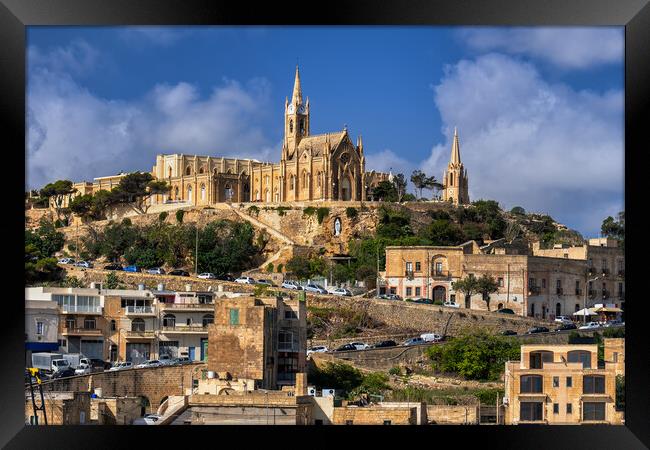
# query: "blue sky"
[539,110]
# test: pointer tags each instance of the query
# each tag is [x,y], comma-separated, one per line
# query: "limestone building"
[455,181]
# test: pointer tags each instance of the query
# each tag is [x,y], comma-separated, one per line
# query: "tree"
[82,205]
[443,232]
[486,286]
[518,210]
[400,186]
[468,285]
[385,191]
[136,188]
[103,203]
[419,180]
[57,192]
[299,267]
[432,184]
[614,228]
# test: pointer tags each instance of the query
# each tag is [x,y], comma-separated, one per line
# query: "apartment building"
[561,384]
[41,327]
[536,283]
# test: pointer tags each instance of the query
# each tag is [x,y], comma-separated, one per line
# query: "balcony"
[592,293]
[604,271]
[408,274]
[81,309]
[81,332]
[559,291]
[534,290]
[440,274]
[185,329]
[140,311]
[578,291]
[606,293]
[621,273]
[144,334]
[194,306]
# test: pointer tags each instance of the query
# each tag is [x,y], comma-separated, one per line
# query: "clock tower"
[455,181]
[296,120]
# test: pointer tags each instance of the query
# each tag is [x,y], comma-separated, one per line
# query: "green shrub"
[282,210]
[162,216]
[351,212]
[112,281]
[309,211]
[395,370]
[617,332]
[269,268]
[438,302]
[489,396]
[253,210]
[260,290]
[321,213]
[279,268]
[179,215]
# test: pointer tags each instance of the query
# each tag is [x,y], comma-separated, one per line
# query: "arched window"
[582,356]
[302,126]
[208,319]
[304,179]
[176,193]
[558,309]
[228,191]
[291,126]
[499,306]
[169,320]
[203,192]
[318,180]
[137,325]
[189,193]
[188,170]
[202,169]
[292,182]
[257,194]
[266,179]
[170,171]
[538,358]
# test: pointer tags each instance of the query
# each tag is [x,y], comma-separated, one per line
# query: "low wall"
[373,415]
[380,359]
[452,415]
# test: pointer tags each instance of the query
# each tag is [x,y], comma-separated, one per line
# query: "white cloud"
[74,134]
[526,142]
[78,58]
[573,48]
[387,160]
[153,35]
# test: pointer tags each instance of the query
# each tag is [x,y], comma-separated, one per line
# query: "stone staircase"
[259,224]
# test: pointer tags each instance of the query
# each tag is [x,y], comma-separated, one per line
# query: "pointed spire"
[296,99]
[455,149]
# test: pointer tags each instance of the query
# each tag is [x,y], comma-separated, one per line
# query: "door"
[137,352]
[92,349]
[439,294]
[204,349]
[191,353]
[345,189]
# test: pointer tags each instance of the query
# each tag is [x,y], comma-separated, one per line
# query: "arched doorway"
[543,311]
[228,192]
[532,310]
[267,196]
[346,190]
[246,193]
[439,294]
[558,309]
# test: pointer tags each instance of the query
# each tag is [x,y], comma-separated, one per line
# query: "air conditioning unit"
[328,392]
[311,390]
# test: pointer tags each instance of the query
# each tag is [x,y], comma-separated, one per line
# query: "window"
[409,267]
[500,281]
[582,356]
[530,384]
[531,282]
[291,126]
[387,422]
[169,320]
[537,358]
[593,384]
[89,323]
[349,422]
[439,268]
[556,382]
[203,192]
[70,323]
[556,408]
[593,411]
[569,382]
[558,284]
[290,314]
[234,316]
[409,291]
[417,291]
[113,325]
[137,325]
[615,357]
[62,343]
[544,283]
[207,320]
[39,327]
[188,170]
[530,411]
[418,267]
[569,408]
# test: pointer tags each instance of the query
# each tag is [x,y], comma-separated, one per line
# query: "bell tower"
[455,182]
[296,120]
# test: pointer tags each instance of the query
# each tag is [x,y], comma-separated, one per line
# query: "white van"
[431,337]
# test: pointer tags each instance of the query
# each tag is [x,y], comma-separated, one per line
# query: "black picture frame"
[634,15]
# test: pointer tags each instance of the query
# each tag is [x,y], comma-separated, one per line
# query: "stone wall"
[374,415]
[154,383]
[452,415]
[64,408]
[380,359]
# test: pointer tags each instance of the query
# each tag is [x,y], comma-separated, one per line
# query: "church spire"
[296,99]
[455,150]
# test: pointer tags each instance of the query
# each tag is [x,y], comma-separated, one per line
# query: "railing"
[605,293]
[140,310]
[592,293]
[140,334]
[578,291]
[185,328]
[408,274]
[621,273]
[440,274]
[604,271]
[187,305]
[559,291]
[81,309]
[534,290]
[84,331]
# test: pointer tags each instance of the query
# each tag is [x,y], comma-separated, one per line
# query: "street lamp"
[584,303]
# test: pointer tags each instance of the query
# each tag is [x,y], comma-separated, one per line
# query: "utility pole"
[508,289]
[77,244]
[196,254]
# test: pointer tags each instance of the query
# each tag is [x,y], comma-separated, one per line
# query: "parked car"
[413,341]
[393,297]
[614,323]
[342,292]
[86,264]
[450,304]
[207,276]
[505,311]
[360,345]
[121,365]
[567,326]
[345,348]
[245,280]
[508,333]
[590,326]
[291,285]
[179,273]
[182,360]
[63,373]
[166,360]
[426,301]
[66,261]
[563,319]
[431,337]
[226,277]
[265,282]
[147,419]
[384,344]
[313,287]
[149,363]
[85,370]
[534,330]
[113,267]
[97,363]
[132,268]
[318,349]
[156,271]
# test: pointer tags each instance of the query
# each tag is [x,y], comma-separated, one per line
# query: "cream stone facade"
[560,384]
[455,181]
